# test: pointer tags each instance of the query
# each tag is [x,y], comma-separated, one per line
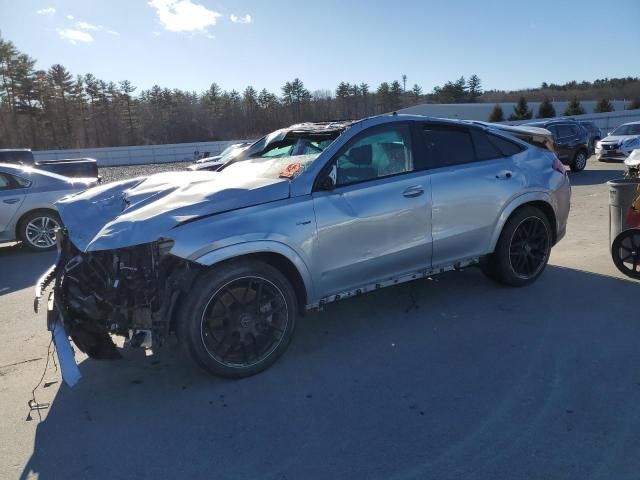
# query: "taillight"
[558,166]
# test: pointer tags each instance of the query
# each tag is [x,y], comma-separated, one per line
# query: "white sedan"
[619,144]
[27,196]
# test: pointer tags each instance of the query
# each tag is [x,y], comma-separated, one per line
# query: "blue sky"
[189,44]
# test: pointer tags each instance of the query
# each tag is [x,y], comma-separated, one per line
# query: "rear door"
[376,223]
[11,198]
[474,174]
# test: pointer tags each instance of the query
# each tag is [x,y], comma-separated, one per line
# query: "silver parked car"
[215,162]
[228,260]
[27,198]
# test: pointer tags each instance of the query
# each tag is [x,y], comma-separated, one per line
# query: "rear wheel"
[625,253]
[38,230]
[579,161]
[522,251]
[239,318]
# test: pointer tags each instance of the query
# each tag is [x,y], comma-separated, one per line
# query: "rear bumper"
[562,204]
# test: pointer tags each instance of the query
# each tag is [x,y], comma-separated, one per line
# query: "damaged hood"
[142,210]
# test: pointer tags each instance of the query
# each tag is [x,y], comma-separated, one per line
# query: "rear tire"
[579,161]
[522,251]
[238,318]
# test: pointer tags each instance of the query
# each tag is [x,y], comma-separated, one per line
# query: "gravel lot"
[450,378]
[112,174]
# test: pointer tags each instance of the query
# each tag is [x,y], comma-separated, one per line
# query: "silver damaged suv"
[229,260]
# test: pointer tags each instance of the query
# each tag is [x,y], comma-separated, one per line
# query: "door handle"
[414,191]
[505,175]
[11,201]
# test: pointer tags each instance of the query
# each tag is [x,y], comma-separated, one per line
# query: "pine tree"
[574,108]
[474,87]
[521,110]
[546,109]
[383,93]
[395,95]
[126,89]
[416,93]
[62,82]
[364,93]
[604,105]
[497,115]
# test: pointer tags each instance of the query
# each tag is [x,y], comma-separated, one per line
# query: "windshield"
[274,168]
[629,129]
[282,144]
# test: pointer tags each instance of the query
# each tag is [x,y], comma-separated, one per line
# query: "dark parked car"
[572,141]
[73,167]
[594,134]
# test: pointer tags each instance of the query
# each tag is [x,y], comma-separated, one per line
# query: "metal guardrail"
[138,155]
[604,121]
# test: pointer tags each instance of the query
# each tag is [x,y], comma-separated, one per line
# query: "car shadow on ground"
[20,268]
[594,177]
[453,374]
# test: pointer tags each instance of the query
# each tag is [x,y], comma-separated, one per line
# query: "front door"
[376,223]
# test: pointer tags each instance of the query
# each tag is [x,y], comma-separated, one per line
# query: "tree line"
[53,109]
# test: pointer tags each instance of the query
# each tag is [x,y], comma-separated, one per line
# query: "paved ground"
[449,378]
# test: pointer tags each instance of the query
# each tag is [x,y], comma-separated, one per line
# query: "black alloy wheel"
[523,249]
[244,322]
[529,249]
[238,318]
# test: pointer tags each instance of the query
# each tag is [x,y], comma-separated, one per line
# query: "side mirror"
[329,181]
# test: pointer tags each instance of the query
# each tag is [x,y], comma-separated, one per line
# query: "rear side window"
[485,149]
[507,147]
[567,131]
[446,146]
[22,182]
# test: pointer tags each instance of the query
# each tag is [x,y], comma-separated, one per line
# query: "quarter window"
[507,147]
[378,153]
[485,149]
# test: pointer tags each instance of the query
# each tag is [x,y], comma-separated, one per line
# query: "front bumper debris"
[68,366]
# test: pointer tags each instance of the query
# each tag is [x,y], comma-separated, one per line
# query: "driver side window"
[378,152]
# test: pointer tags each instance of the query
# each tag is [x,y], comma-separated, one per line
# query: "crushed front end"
[131,292]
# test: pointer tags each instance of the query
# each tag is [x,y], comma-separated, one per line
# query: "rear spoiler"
[536,136]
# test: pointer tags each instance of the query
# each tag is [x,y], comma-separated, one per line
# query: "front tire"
[38,230]
[239,318]
[579,161]
[522,251]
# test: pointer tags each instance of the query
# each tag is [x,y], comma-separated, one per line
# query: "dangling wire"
[33,403]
